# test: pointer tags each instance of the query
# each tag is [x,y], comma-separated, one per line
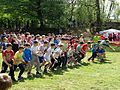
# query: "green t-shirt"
[18,57]
[96,38]
[65,47]
[78,48]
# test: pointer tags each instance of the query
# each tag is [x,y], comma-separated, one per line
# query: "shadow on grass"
[14,83]
[85,64]
[32,77]
[74,66]
[49,74]
[105,62]
[59,71]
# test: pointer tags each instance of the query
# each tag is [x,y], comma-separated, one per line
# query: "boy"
[34,49]
[47,56]
[101,53]
[58,54]
[8,56]
[83,50]
[27,56]
[18,61]
[105,43]
[95,49]
[65,50]
[71,52]
[41,53]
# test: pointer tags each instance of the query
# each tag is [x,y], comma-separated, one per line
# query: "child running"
[19,62]
[47,56]
[35,59]
[8,57]
[27,56]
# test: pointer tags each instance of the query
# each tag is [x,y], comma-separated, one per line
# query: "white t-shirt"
[48,53]
[57,52]
[41,51]
[34,49]
[70,52]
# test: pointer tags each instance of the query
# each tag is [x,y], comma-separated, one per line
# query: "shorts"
[101,51]
[41,59]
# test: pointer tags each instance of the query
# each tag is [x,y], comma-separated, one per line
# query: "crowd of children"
[46,52]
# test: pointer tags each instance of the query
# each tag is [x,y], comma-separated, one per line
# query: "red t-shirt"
[83,48]
[8,55]
[75,45]
[102,37]
[69,44]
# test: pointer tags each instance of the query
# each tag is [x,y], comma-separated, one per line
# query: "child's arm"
[4,60]
[111,48]
[30,55]
[53,56]
[24,57]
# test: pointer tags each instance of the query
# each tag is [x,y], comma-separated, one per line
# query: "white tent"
[110,31]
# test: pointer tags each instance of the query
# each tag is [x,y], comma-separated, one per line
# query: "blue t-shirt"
[95,47]
[27,55]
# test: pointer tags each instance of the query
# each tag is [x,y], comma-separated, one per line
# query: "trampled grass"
[97,76]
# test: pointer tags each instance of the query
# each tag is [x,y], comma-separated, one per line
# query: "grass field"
[97,76]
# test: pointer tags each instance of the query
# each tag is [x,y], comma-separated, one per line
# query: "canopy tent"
[110,31]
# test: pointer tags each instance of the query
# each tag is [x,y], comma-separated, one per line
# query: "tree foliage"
[41,14]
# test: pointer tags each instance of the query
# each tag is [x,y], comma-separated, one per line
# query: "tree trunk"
[98,21]
[40,14]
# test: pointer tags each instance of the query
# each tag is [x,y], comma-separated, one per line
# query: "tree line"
[44,15]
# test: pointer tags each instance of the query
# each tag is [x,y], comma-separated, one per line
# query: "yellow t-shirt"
[18,57]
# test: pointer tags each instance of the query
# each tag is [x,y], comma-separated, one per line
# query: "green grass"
[98,76]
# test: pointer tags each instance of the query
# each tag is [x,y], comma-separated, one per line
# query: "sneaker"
[30,75]
[20,78]
[52,69]
[45,71]
[93,61]
[38,73]
[13,79]
[40,69]
[88,59]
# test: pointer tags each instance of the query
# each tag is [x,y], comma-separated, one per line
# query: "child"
[77,53]
[101,53]
[5,82]
[4,43]
[8,56]
[95,49]
[41,53]
[83,50]
[57,55]
[27,56]
[54,56]
[71,52]
[65,50]
[105,43]
[18,61]
[34,49]
[47,56]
